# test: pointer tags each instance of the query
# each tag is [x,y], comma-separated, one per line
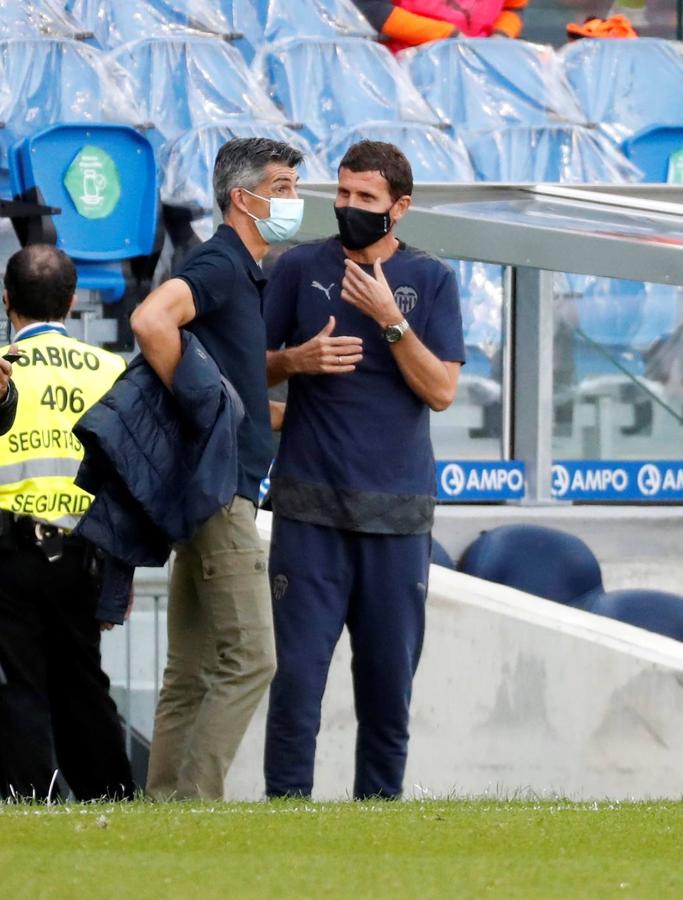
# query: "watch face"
[392,333]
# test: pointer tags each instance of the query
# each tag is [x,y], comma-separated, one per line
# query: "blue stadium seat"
[657,611]
[250,23]
[510,555]
[338,83]
[22,19]
[45,81]
[477,361]
[440,556]
[570,574]
[114,23]
[560,153]
[481,299]
[624,318]
[611,310]
[187,162]
[268,21]
[488,84]
[651,148]
[591,361]
[184,82]
[433,155]
[661,315]
[109,213]
[626,85]
[187,166]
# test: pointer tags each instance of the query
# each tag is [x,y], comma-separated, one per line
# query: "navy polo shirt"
[355,450]
[226,285]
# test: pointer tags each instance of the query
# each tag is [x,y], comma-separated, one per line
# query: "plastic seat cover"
[489,84]
[558,153]
[433,155]
[625,85]
[34,18]
[185,82]
[187,162]
[114,23]
[45,81]
[338,83]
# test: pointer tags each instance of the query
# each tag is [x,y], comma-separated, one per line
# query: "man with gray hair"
[221,654]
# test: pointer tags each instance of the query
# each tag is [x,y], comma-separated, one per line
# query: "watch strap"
[401,327]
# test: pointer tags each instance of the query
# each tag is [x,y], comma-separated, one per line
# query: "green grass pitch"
[414,849]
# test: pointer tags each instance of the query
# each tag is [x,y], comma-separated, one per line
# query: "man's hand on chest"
[370,294]
[326,353]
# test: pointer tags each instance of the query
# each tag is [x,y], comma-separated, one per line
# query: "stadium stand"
[559,153]
[482,85]
[21,19]
[182,82]
[187,162]
[115,23]
[433,155]
[44,81]
[164,63]
[187,166]
[613,81]
[278,20]
[309,78]
[249,23]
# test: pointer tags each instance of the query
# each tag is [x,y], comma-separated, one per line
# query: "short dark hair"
[242,163]
[387,159]
[40,281]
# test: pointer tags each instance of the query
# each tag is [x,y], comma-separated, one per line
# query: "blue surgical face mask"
[284,220]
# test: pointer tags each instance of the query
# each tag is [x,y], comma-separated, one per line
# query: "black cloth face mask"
[359,228]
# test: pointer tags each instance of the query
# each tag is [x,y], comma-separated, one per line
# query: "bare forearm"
[430,378]
[280,365]
[161,346]
[156,324]
[323,354]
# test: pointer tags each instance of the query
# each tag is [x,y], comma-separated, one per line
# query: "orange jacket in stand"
[408,23]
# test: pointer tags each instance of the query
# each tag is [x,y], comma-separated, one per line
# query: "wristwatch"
[393,333]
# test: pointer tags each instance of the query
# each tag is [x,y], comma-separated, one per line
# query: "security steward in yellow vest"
[55,708]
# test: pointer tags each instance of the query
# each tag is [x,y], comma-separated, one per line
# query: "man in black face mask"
[353,484]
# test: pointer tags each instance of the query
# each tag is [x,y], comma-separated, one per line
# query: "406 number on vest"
[60,398]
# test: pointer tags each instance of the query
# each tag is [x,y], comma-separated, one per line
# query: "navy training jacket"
[159,464]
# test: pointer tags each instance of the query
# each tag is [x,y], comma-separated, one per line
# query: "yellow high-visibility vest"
[58,379]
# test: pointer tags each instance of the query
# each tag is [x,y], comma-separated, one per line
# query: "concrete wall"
[514,694]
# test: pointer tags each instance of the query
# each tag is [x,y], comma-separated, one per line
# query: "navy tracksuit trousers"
[322,579]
